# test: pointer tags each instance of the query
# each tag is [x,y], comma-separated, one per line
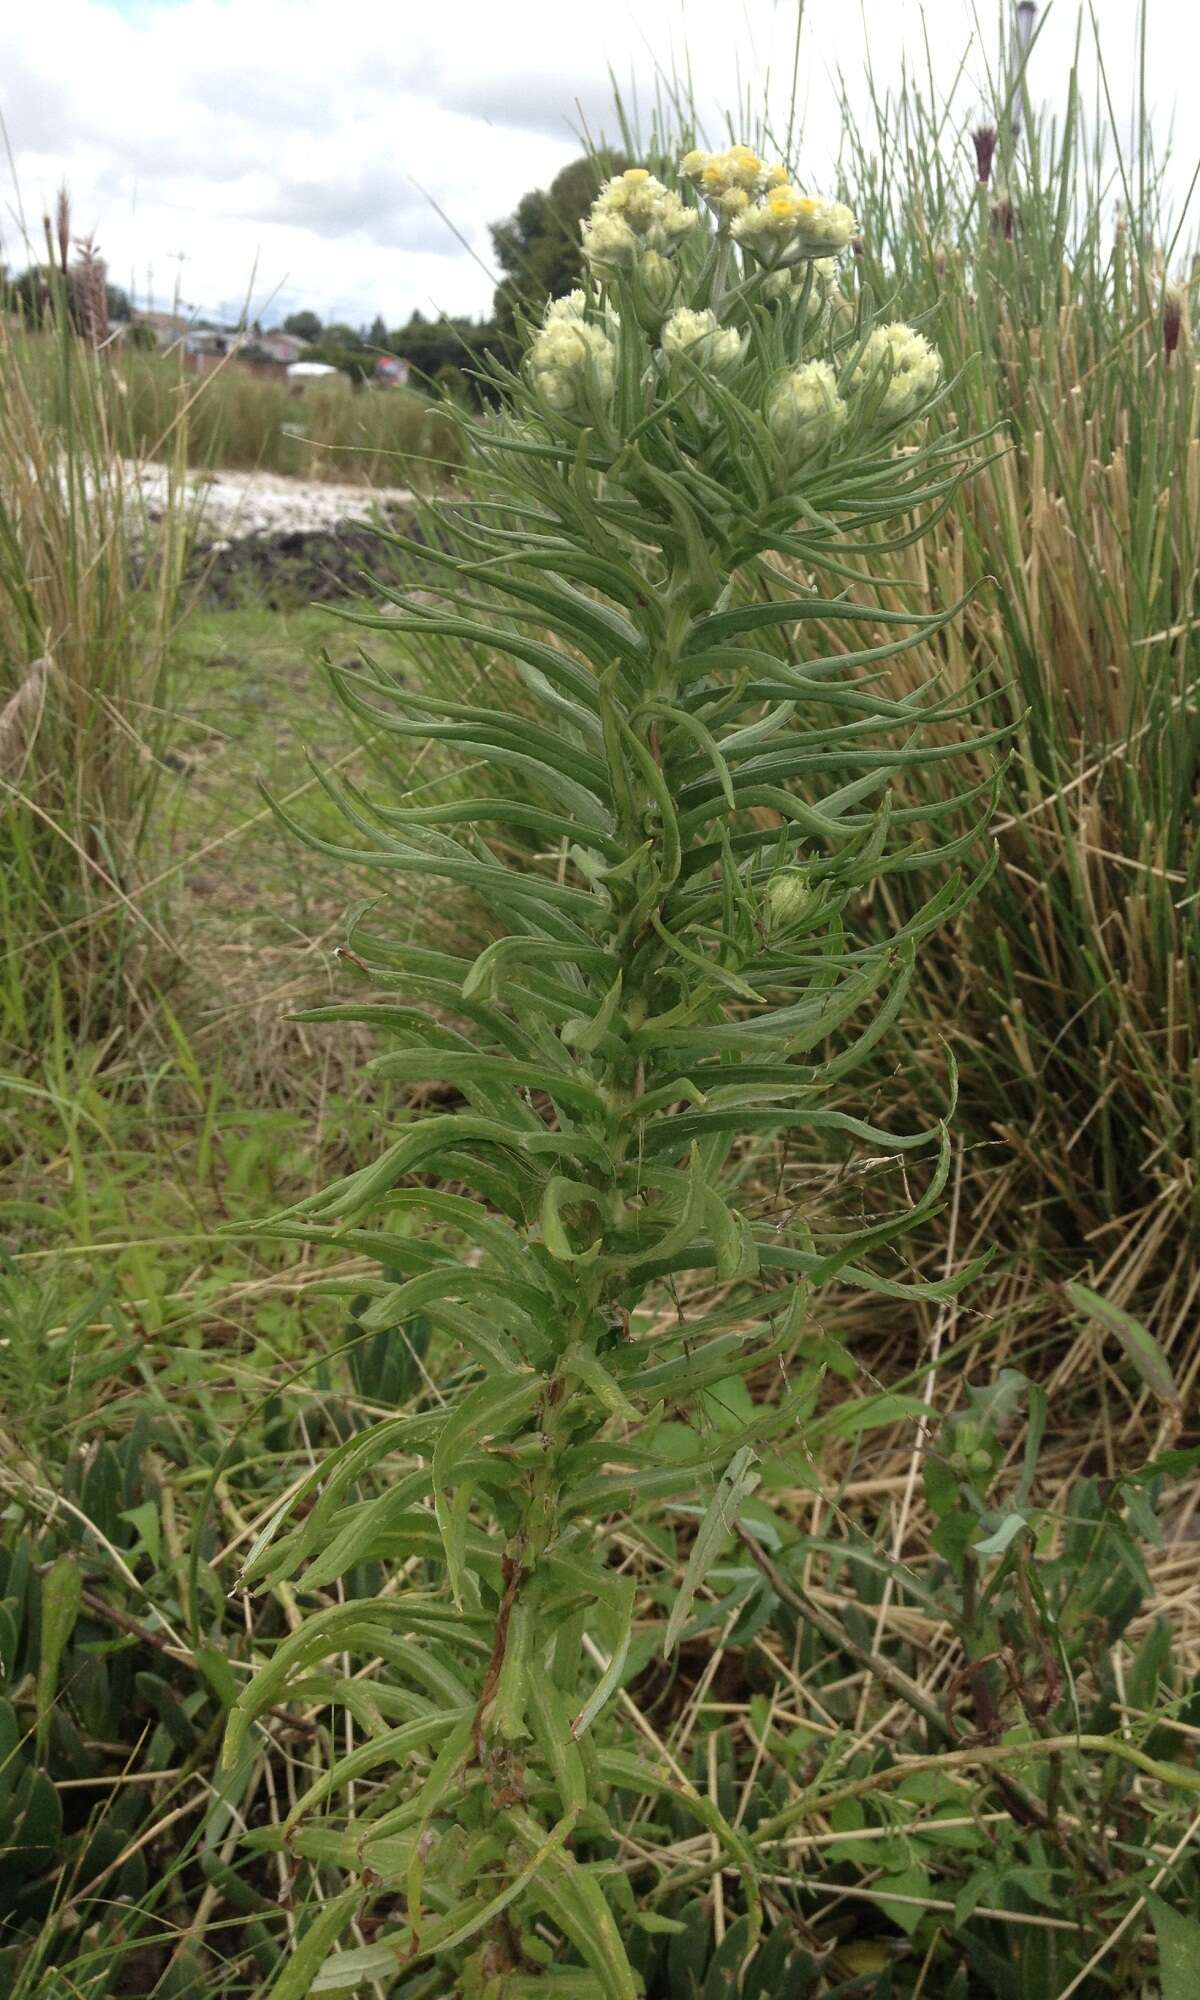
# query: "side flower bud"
[910,368]
[787,898]
[572,362]
[804,410]
[703,339]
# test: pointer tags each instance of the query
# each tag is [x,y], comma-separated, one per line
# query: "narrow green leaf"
[1140,1347]
[295,1980]
[62,1591]
[1178,1949]
[738,1480]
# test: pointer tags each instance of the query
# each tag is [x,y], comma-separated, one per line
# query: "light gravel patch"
[228,506]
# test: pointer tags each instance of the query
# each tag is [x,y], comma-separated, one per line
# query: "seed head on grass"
[1174,309]
[983,138]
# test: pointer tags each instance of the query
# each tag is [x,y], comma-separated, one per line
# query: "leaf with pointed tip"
[737,1481]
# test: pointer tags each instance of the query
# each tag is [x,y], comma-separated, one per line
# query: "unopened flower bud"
[910,367]
[658,279]
[570,358]
[805,410]
[788,896]
[702,339]
[787,286]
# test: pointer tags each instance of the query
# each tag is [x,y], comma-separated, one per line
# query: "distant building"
[209,343]
[207,347]
[285,347]
[391,372]
[168,328]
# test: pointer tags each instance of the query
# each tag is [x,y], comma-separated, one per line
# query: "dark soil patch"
[293,566]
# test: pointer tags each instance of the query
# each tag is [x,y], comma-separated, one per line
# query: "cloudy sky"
[350,157]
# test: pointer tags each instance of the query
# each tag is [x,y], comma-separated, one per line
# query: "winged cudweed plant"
[703,805]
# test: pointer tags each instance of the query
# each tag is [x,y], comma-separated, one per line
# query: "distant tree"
[432,345]
[341,335]
[537,248]
[378,333]
[29,294]
[33,292]
[354,360]
[305,325]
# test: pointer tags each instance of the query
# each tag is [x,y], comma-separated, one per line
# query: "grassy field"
[334,430]
[167,1380]
[232,418]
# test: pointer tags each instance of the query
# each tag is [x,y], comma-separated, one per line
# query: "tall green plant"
[678,972]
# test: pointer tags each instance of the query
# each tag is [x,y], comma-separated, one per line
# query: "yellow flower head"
[787,227]
[632,214]
[728,181]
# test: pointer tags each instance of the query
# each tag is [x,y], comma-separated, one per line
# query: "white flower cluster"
[805,410]
[571,306]
[571,355]
[728,181]
[787,227]
[634,215]
[911,369]
[700,336]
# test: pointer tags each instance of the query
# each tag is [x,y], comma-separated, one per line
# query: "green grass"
[235,419]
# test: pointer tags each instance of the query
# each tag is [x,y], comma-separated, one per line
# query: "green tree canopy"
[537,248]
[305,325]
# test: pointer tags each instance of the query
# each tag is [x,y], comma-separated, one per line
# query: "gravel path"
[232,505]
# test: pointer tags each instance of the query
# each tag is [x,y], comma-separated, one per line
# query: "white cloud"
[304,147]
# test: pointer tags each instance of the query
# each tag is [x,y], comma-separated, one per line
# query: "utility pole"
[180,257]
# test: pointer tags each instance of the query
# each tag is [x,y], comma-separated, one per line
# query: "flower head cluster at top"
[729,181]
[763,211]
[629,242]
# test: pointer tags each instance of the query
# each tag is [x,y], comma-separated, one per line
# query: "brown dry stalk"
[21,717]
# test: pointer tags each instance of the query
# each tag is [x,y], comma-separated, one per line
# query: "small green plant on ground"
[711,799]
